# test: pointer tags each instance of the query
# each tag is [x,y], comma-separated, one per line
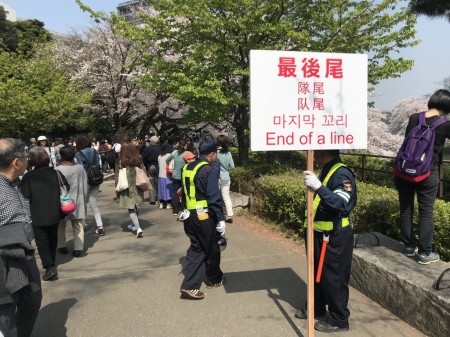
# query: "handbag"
[168,170]
[122,182]
[67,203]
[142,181]
[170,166]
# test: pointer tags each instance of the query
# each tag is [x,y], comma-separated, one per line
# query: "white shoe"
[161,206]
[131,227]
[169,206]
[139,233]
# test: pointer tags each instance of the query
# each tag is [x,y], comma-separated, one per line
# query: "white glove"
[311,180]
[221,227]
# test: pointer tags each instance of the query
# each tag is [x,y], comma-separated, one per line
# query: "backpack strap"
[422,119]
[85,158]
[438,122]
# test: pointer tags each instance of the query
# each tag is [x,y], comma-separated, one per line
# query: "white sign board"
[307,100]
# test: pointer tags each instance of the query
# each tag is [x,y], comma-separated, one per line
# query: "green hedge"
[281,199]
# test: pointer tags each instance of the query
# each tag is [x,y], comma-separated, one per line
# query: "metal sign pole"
[310,247]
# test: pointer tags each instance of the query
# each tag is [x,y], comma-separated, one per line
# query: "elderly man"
[32,143]
[150,156]
[20,285]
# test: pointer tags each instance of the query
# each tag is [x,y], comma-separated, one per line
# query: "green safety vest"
[326,225]
[191,201]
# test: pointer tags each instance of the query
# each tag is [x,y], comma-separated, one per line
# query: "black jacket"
[150,156]
[41,187]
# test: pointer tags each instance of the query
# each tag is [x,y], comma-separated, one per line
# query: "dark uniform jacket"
[339,198]
[207,187]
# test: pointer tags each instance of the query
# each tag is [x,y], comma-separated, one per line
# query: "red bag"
[168,169]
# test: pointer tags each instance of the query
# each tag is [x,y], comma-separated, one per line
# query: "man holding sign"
[335,197]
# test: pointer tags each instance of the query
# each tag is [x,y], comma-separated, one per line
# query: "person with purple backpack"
[423,183]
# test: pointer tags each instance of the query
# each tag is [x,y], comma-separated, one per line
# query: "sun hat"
[41,138]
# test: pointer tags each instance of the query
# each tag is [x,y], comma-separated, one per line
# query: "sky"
[431,57]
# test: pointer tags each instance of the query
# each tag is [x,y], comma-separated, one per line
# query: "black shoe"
[50,274]
[303,314]
[229,220]
[77,253]
[99,232]
[63,250]
[327,327]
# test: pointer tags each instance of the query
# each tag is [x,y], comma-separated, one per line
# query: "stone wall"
[401,285]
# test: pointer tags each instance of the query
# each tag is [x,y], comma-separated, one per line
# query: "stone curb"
[400,284]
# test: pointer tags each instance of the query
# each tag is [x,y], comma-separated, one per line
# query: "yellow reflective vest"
[326,225]
[190,195]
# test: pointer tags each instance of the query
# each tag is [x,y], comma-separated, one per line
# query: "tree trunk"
[241,124]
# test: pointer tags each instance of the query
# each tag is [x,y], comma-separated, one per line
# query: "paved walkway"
[128,287]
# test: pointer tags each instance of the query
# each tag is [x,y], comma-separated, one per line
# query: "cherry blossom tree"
[399,116]
[380,140]
[105,63]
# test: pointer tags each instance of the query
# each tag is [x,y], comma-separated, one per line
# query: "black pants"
[176,205]
[17,319]
[332,291]
[426,191]
[202,234]
[46,238]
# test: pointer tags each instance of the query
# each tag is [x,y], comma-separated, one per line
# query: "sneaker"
[139,234]
[193,294]
[410,251]
[175,213]
[169,206]
[327,327]
[427,259]
[50,274]
[99,231]
[211,285]
[229,220]
[161,206]
[131,227]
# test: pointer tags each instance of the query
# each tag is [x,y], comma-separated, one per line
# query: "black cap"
[207,146]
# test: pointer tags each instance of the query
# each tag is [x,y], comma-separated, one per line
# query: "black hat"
[165,148]
[207,146]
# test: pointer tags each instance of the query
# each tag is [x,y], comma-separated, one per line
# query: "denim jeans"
[426,191]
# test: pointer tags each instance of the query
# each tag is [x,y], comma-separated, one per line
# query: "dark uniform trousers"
[333,287]
[202,234]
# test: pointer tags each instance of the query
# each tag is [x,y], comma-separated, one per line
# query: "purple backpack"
[413,161]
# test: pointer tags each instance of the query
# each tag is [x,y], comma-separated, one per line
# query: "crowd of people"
[33,177]
[194,183]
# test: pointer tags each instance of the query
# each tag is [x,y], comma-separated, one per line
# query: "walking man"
[205,224]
